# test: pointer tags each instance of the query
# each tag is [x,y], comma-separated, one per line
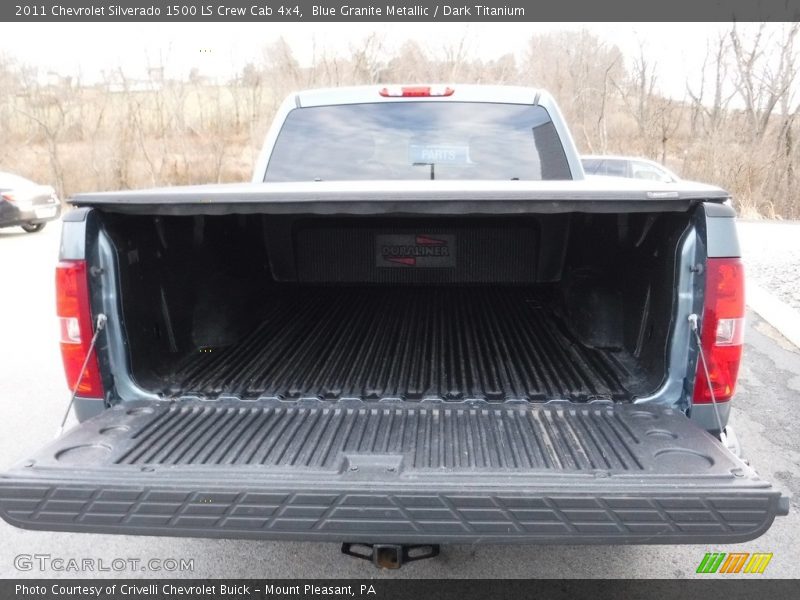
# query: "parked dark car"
[27,204]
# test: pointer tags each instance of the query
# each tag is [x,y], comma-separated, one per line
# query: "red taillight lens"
[416,91]
[75,322]
[722,331]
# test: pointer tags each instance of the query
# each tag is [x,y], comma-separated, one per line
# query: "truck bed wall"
[189,283]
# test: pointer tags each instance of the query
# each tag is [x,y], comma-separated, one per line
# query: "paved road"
[33,397]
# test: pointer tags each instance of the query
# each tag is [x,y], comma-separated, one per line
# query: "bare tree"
[637,94]
[500,70]
[737,126]
[48,108]
[365,59]
[410,65]
[761,80]
[709,114]
[666,114]
[455,59]
[580,70]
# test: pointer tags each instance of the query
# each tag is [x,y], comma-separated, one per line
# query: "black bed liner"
[413,343]
[428,472]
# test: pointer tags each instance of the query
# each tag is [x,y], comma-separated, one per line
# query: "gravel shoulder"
[771,252]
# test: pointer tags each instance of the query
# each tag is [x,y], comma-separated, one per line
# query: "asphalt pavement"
[33,398]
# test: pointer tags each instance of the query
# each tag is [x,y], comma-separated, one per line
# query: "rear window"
[418,140]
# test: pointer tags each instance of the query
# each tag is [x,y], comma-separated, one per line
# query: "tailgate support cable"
[693,326]
[101,323]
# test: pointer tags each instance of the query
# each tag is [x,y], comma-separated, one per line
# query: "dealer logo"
[734,562]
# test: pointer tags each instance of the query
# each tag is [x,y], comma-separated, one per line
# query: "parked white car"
[627,166]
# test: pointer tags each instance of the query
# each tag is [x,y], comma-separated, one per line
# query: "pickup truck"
[419,324]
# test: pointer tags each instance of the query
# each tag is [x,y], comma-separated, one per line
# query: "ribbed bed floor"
[409,343]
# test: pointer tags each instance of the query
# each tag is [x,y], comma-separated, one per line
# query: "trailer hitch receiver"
[390,556]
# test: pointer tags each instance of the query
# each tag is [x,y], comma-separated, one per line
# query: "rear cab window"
[418,140]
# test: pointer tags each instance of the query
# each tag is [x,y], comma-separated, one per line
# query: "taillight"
[8,197]
[722,332]
[75,323]
[415,91]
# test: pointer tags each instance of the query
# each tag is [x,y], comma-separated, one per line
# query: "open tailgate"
[428,472]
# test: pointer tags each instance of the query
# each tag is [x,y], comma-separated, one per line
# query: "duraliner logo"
[415,250]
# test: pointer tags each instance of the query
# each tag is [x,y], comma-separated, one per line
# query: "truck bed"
[453,343]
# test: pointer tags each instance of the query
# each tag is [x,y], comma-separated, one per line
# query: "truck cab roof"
[437,93]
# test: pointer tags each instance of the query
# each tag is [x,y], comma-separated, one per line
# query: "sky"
[219,50]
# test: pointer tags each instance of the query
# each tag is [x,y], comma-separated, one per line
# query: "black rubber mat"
[408,343]
[555,437]
[394,437]
[427,472]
